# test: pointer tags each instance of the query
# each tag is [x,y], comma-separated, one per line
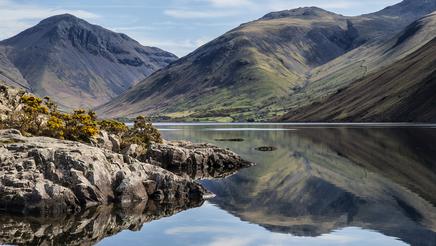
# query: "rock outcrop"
[9,99]
[199,161]
[184,158]
[47,176]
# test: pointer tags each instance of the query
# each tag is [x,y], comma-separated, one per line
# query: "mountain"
[76,63]
[9,73]
[335,75]
[255,70]
[399,92]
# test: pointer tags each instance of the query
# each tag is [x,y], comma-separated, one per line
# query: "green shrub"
[41,117]
[113,127]
[80,125]
[142,133]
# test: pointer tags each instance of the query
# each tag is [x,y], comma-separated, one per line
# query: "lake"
[311,185]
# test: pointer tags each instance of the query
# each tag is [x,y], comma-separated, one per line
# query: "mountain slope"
[251,70]
[9,73]
[243,67]
[336,75]
[79,64]
[403,91]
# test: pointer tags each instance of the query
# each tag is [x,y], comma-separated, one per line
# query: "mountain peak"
[412,7]
[81,64]
[61,18]
[304,12]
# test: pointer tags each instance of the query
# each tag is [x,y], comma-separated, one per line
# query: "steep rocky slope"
[357,64]
[402,91]
[76,63]
[251,70]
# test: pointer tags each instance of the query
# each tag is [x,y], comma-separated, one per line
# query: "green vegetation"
[142,133]
[113,127]
[41,117]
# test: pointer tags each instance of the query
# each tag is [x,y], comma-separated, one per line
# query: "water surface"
[322,185]
[312,185]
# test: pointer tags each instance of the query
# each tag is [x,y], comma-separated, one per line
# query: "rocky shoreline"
[195,160]
[46,176]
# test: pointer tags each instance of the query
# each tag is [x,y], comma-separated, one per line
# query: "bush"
[41,117]
[80,125]
[142,133]
[33,117]
[113,127]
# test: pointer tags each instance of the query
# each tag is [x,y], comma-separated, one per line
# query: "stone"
[116,143]
[199,161]
[150,186]
[102,141]
[133,150]
[46,176]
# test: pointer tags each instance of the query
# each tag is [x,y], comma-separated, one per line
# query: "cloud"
[234,241]
[198,229]
[198,14]
[178,47]
[17,17]
[230,3]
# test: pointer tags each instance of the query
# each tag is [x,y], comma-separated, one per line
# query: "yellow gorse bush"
[142,133]
[41,117]
[113,127]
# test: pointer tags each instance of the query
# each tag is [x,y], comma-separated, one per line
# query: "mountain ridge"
[250,71]
[79,64]
[401,92]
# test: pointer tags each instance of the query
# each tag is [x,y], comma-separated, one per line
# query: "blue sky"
[179,26]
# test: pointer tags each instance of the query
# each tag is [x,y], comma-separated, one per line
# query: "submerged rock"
[229,140]
[266,148]
[47,176]
[199,161]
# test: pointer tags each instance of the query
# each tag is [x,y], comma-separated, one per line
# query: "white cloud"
[230,3]
[197,229]
[198,14]
[234,241]
[17,17]
[178,47]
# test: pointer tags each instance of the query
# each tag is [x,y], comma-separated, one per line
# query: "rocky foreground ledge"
[47,176]
[41,175]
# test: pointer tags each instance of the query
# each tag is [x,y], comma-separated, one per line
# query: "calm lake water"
[329,185]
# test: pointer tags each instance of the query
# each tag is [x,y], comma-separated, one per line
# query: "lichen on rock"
[47,176]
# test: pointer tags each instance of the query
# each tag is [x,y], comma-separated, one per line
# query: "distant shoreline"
[317,124]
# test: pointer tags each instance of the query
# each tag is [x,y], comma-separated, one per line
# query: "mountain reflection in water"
[323,179]
[329,186]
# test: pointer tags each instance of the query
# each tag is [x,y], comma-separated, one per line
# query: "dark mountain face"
[79,64]
[402,91]
[250,71]
[414,8]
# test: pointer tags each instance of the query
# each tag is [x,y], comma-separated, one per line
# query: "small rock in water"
[230,140]
[266,148]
